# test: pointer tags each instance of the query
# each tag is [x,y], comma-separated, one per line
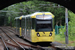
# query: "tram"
[36,27]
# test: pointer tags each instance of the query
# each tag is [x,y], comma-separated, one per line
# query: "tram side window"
[26,23]
[29,23]
[18,23]
[15,23]
[23,23]
[33,23]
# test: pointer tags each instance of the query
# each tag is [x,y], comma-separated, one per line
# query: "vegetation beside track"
[60,39]
[71,31]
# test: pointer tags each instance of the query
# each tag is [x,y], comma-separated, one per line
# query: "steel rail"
[4,43]
[31,46]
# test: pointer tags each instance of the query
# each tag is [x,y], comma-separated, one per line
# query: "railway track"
[13,41]
[10,29]
[19,43]
[51,45]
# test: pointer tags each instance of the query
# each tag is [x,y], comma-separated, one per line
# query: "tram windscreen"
[44,25]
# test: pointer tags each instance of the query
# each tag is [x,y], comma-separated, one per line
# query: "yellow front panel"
[44,39]
[44,36]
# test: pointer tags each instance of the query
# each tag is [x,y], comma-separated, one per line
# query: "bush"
[71,27]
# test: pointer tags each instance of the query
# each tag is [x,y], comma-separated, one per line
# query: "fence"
[57,29]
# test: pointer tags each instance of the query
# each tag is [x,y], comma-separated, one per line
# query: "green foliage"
[24,8]
[71,27]
[62,32]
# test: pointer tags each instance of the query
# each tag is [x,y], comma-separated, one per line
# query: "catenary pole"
[66,22]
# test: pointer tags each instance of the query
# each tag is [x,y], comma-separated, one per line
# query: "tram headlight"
[50,34]
[38,34]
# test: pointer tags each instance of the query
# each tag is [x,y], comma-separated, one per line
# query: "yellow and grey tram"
[36,27]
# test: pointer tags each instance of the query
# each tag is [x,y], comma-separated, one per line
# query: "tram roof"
[26,16]
[33,14]
[37,13]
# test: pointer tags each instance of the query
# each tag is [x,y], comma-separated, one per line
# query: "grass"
[59,39]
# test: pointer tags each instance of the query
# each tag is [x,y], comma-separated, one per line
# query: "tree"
[24,8]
